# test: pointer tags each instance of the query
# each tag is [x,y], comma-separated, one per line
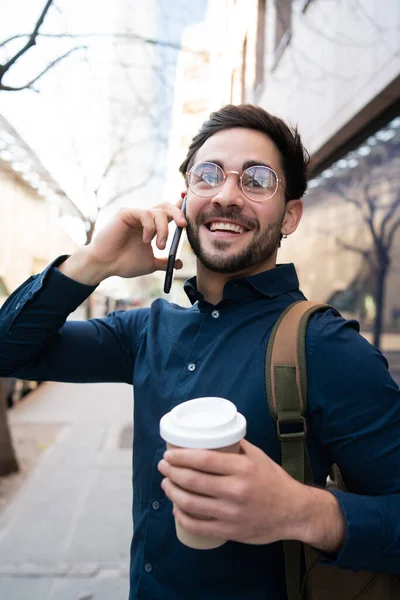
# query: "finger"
[181,199]
[208,461]
[149,228]
[161,223]
[174,213]
[201,506]
[178,264]
[160,264]
[196,482]
[201,527]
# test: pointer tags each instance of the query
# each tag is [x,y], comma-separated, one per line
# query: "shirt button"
[155,505]
[17,306]
[215,314]
[148,568]
[191,367]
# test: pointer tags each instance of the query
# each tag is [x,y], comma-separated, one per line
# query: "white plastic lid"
[203,423]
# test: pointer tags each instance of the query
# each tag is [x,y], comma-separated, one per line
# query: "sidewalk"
[66,533]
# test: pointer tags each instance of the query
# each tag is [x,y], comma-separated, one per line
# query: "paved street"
[66,534]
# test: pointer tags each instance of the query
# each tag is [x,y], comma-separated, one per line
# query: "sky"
[113,89]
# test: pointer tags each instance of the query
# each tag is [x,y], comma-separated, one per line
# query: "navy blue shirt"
[171,354]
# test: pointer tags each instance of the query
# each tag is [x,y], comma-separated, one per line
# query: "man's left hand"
[244,497]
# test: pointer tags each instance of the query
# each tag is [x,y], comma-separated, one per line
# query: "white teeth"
[226,227]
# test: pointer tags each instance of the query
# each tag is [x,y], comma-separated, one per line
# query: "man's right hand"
[123,247]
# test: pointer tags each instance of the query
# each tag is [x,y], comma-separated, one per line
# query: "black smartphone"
[172,253]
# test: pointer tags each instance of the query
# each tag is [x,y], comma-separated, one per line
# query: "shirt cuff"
[364,529]
[67,293]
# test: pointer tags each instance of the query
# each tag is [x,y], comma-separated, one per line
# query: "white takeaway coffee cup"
[211,423]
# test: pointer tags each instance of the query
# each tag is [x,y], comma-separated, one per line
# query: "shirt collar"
[270,283]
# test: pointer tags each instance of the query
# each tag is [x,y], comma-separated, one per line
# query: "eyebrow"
[246,165]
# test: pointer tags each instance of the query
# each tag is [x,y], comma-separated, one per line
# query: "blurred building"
[332,69]
[145,50]
[190,108]
[32,209]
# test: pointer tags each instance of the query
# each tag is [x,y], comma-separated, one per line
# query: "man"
[245,174]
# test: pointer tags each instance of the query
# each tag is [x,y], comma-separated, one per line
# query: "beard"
[262,247]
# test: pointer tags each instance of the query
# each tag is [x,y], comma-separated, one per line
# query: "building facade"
[32,208]
[332,69]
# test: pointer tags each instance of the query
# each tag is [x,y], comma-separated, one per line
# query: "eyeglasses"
[257,183]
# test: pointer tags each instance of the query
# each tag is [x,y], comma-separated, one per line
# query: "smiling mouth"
[226,228]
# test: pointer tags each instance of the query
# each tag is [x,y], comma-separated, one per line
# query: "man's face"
[251,249]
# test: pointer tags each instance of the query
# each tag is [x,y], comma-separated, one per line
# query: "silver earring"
[284,236]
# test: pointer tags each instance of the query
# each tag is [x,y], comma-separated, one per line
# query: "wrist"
[320,521]
[82,268]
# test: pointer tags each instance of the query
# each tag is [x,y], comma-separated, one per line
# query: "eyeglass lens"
[258,183]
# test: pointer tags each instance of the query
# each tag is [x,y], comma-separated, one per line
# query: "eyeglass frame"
[279,180]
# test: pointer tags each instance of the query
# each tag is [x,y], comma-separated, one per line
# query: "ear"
[293,214]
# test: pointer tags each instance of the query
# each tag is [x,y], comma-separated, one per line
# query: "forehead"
[234,147]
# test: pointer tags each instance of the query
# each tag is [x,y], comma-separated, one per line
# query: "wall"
[30,232]
[339,69]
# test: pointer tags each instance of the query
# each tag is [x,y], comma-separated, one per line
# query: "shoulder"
[342,362]
[332,338]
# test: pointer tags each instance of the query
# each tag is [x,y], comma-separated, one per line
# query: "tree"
[374,191]
[30,43]
[33,37]
[8,460]
[98,187]
[102,201]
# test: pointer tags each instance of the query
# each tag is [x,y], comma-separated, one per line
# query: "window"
[283,26]
[260,44]
[243,74]
[3,289]
[362,184]
[235,86]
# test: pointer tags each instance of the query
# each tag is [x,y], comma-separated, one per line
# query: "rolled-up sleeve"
[37,342]
[354,407]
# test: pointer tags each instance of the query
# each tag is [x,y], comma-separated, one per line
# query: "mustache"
[229,215]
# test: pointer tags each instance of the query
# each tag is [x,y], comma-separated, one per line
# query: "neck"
[211,284]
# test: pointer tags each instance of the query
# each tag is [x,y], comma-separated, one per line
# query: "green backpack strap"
[286,390]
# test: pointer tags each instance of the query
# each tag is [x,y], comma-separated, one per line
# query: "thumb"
[160,264]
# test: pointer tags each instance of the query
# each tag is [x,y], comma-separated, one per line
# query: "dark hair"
[295,157]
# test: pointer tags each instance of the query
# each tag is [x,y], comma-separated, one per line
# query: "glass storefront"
[355,206]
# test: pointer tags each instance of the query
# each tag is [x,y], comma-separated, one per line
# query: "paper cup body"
[211,423]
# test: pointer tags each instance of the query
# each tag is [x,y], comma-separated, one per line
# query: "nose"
[230,194]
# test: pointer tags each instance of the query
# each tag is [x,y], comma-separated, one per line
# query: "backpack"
[286,390]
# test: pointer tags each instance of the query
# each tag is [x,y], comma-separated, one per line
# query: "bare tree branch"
[345,197]
[128,190]
[127,36]
[366,254]
[31,41]
[392,232]
[370,202]
[391,211]
[14,37]
[28,85]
